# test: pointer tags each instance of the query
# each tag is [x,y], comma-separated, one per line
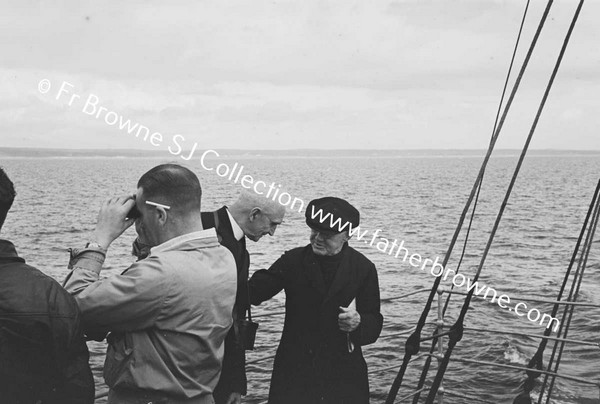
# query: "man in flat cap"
[332,309]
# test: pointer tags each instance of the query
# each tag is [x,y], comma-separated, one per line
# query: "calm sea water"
[417,200]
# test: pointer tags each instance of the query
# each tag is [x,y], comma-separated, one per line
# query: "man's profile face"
[327,243]
[262,224]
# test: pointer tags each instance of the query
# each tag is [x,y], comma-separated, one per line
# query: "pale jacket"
[168,314]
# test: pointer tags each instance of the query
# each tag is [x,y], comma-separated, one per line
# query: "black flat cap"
[331,215]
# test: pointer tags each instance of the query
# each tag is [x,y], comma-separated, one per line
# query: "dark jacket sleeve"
[79,383]
[266,283]
[368,306]
[263,285]
[76,384]
[233,373]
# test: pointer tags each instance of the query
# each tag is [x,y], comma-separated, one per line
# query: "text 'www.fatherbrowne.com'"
[91,105]
[436,269]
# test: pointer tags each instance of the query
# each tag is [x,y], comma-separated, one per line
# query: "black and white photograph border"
[464,133]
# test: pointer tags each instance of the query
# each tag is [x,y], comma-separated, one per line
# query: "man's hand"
[348,319]
[234,398]
[111,220]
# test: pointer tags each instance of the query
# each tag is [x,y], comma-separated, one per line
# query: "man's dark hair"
[7,195]
[172,185]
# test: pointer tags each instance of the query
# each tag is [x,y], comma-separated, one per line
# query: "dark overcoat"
[313,363]
[233,373]
[43,355]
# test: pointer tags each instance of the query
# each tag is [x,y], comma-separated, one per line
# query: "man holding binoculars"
[169,312]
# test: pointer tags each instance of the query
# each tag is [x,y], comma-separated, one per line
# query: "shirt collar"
[205,235]
[238,233]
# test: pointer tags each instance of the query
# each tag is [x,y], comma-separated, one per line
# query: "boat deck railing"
[255,359]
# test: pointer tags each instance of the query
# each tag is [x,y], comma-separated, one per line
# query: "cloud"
[383,74]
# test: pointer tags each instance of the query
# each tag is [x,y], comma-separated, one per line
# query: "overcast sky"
[400,74]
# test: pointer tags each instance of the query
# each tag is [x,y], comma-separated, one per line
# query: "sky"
[343,74]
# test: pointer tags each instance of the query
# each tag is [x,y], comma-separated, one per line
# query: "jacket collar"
[238,233]
[191,241]
[343,275]
[8,252]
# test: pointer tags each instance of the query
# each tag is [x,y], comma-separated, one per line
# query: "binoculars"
[134,213]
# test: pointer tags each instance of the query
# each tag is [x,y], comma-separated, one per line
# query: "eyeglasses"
[134,213]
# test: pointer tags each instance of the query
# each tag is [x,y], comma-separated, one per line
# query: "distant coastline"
[25,152]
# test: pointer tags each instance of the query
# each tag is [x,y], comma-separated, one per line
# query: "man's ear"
[254,213]
[348,236]
[161,215]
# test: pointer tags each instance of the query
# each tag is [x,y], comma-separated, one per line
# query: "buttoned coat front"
[313,363]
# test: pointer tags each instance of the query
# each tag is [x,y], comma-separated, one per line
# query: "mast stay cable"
[412,345]
[427,364]
[537,358]
[457,329]
[572,297]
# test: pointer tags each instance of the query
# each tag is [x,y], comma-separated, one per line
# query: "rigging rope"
[537,358]
[427,364]
[456,330]
[573,297]
[412,345]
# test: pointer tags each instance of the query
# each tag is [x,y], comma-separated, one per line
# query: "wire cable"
[427,364]
[457,328]
[537,359]
[575,287]
[412,345]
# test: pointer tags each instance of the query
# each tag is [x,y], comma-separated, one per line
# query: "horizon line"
[295,149]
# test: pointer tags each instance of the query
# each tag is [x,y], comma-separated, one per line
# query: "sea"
[415,198]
